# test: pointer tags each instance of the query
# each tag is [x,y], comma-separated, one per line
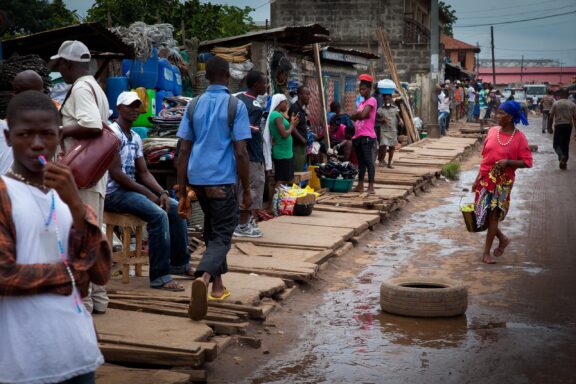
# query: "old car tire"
[423,297]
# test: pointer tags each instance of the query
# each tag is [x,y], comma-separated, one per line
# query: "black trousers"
[220,206]
[561,141]
[363,146]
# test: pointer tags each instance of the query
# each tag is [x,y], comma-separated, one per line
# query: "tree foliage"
[450,14]
[203,20]
[31,16]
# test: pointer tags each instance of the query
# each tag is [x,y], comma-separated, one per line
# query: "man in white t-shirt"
[83,111]
[471,94]
[52,247]
[132,189]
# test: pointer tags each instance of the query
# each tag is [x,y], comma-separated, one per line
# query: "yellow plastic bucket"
[314,181]
[470,218]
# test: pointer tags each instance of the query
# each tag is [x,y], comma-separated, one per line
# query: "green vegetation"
[451,170]
[450,14]
[205,21]
[32,16]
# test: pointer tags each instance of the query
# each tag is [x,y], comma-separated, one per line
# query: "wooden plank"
[116,374]
[306,236]
[331,219]
[142,355]
[252,250]
[360,211]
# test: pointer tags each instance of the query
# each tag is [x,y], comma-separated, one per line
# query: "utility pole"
[432,127]
[493,63]
[522,70]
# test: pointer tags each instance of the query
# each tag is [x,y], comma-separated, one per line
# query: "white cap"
[73,50]
[127,98]
[447,82]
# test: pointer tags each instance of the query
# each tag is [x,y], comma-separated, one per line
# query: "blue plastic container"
[126,66]
[177,90]
[165,76]
[204,56]
[114,87]
[160,95]
[144,74]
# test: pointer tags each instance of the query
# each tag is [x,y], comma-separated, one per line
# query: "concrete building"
[529,75]
[460,53]
[353,25]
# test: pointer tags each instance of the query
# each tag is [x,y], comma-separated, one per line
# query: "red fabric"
[492,151]
[366,77]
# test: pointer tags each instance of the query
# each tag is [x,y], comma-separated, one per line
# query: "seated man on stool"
[132,189]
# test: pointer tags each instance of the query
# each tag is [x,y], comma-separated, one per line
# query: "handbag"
[89,159]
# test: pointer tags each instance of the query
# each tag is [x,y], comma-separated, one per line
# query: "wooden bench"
[126,257]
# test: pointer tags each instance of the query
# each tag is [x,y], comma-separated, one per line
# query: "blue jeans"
[167,233]
[443,118]
[470,112]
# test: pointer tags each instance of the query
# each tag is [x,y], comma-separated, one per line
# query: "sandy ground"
[520,326]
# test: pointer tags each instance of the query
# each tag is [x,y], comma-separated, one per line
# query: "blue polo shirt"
[212,160]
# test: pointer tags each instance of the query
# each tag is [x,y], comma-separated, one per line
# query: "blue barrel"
[114,87]
[177,90]
[144,74]
[126,66]
[165,75]
[160,95]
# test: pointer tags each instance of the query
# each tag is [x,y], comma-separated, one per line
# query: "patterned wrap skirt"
[492,192]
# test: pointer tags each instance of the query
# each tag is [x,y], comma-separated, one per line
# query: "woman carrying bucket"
[505,150]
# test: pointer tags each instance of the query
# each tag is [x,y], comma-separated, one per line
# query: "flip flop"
[487,259]
[188,275]
[198,307]
[176,288]
[224,295]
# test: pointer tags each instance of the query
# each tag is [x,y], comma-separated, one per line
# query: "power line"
[536,11]
[484,10]
[514,21]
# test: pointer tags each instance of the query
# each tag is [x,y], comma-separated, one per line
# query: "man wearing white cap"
[132,189]
[83,111]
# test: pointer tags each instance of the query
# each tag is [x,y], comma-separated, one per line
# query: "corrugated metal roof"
[451,43]
[298,35]
[525,70]
[45,44]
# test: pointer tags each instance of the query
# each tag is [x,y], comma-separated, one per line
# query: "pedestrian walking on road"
[563,118]
[546,104]
[390,122]
[365,138]
[471,94]
[483,102]
[212,154]
[505,150]
[443,110]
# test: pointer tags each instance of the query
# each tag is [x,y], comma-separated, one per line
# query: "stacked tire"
[423,297]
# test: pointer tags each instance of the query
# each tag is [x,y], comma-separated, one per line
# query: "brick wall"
[353,24]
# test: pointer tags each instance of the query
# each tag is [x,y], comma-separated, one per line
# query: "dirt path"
[520,326]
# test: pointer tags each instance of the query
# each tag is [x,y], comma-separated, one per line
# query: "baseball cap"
[127,98]
[73,50]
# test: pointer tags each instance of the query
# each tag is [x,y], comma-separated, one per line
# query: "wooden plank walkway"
[262,270]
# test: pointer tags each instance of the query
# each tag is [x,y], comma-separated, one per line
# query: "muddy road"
[520,326]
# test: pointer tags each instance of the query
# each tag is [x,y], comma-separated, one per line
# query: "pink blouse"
[492,151]
[366,127]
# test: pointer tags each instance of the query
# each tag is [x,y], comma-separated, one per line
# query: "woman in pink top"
[505,150]
[365,136]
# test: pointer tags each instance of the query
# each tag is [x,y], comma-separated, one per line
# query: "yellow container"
[314,181]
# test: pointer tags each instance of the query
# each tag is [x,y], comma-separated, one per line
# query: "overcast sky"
[551,38]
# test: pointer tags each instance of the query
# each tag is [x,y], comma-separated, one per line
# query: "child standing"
[51,248]
[389,115]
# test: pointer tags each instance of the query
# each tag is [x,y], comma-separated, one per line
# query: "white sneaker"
[247,230]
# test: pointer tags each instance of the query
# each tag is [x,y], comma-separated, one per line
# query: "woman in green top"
[281,132]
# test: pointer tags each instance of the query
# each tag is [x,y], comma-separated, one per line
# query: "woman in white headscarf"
[278,140]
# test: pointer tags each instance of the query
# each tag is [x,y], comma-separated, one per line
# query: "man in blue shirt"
[211,154]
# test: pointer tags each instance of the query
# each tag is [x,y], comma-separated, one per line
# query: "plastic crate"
[337,185]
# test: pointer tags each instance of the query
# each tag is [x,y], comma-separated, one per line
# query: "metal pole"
[493,63]
[522,70]
[433,128]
